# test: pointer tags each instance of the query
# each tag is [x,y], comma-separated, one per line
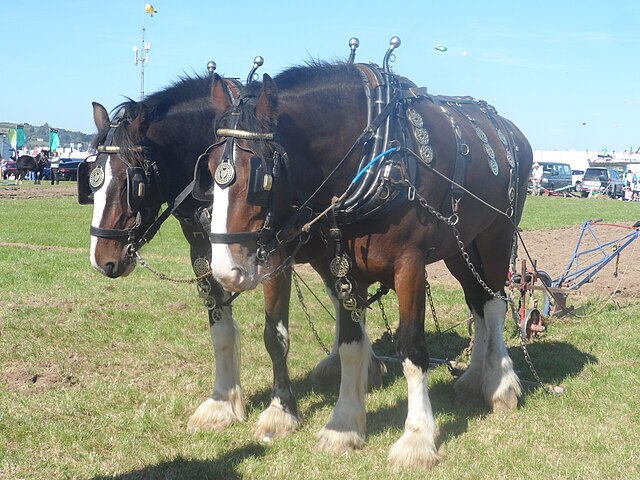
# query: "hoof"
[377,372]
[506,401]
[339,442]
[414,450]
[275,422]
[212,415]
[467,391]
[327,373]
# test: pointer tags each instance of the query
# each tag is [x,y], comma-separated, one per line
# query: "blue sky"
[568,73]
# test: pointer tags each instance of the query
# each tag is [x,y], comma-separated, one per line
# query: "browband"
[232,132]
[116,149]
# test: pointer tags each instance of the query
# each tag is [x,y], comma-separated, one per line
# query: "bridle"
[263,175]
[141,181]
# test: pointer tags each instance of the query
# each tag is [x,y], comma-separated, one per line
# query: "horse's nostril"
[109,269]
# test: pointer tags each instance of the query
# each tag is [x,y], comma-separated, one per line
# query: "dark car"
[68,169]
[11,169]
[602,180]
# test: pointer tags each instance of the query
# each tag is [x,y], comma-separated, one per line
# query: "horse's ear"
[140,123]
[220,96]
[267,103]
[100,115]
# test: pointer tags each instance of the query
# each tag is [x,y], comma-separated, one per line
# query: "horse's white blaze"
[99,206]
[223,266]
[417,446]
[226,404]
[346,428]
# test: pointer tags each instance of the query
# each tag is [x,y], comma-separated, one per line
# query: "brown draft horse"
[146,156]
[368,178]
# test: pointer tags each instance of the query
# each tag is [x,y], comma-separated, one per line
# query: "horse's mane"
[315,71]
[186,96]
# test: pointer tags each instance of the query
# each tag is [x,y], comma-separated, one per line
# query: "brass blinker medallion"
[225,173]
[96,179]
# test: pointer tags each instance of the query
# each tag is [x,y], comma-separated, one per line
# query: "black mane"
[187,97]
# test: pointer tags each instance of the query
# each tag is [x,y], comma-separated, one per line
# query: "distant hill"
[38,136]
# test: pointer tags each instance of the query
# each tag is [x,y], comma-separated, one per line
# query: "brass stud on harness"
[201,266]
[339,266]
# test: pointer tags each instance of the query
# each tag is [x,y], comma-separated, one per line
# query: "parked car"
[576,179]
[555,175]
[11,169]
[602,180]
[68,169]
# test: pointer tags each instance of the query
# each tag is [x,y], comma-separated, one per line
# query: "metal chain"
[386,320]
[307,315]
[427,288]
[144,264]
[452,221]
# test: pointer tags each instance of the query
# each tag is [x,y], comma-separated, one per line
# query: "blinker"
[85,192]
[136,186]
[260,181]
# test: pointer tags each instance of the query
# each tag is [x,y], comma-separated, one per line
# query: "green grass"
[121,364]
[560,212]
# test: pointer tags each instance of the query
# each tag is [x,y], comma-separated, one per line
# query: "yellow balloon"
[149,9]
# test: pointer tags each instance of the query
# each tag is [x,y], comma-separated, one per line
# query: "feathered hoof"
[414,450]
[467,391]
[377,372]
[339,442]
[327,373]
[212,415]
[504,402]
[275,422]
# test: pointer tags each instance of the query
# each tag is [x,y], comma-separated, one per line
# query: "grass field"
[99,376]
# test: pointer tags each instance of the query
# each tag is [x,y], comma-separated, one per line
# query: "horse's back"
[26,162]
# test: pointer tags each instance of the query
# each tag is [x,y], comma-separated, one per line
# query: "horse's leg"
[490,375]
[346,427]
[281,417]
[327,371]
[226,404]
[417,445]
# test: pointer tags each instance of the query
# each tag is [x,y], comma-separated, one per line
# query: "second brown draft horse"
[369,178]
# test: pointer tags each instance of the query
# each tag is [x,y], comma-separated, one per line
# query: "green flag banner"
[20,136]
[12,137]
[54,140]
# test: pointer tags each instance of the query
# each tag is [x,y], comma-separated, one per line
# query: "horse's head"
[249,194]
[120,181]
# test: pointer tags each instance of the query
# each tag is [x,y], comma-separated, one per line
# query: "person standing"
[536,177]
[55,166]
